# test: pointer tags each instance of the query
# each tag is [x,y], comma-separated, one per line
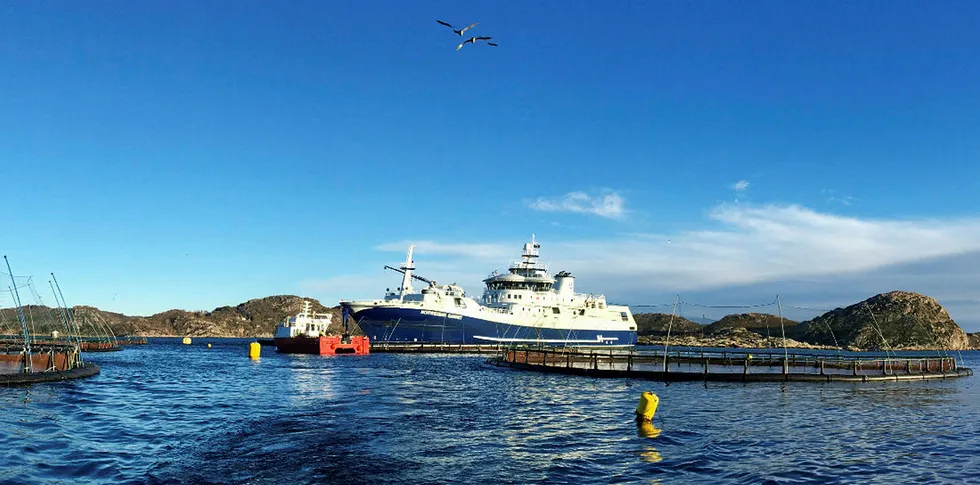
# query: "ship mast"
[407,267]
[28,361]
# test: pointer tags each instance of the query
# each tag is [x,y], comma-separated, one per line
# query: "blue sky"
[162,155]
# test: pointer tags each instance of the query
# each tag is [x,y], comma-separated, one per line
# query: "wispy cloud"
[741,186]
[845,200]
[332,289]
[610,204]
[474,251]
[836,198]
[747,244]
[741,244]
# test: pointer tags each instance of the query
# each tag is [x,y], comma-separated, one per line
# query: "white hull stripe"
[549,341]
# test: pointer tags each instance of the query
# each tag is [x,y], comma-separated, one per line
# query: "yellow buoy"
[187,341]
[647,406]
[254,349]
[646,429]
[209,346]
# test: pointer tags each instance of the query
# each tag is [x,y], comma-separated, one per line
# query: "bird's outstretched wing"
[483,38]
[444,23]
[491,43]
[467,28]
[467,41]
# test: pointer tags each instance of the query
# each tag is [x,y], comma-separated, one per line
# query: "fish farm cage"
[729,365]
[41,363]
[39,343]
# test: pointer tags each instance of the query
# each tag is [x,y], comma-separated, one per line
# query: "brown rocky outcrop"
[975,340]
[254,318]
[761,323]
[894,320]
[658,323]
[733,337]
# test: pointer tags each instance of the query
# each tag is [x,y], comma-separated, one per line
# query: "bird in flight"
[457,31]
[473,40]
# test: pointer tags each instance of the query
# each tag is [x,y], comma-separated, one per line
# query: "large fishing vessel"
[525,305]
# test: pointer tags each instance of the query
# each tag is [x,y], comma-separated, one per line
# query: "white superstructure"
[304,324]
[525,304]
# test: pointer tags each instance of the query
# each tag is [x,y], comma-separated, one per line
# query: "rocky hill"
[761,323]
[657,324]
[253,318]
[895,320]
[734,337]
[907,321]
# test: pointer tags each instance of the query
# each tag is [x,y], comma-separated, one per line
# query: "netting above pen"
[26,316]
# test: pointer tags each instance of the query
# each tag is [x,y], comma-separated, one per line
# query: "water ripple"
[168,413]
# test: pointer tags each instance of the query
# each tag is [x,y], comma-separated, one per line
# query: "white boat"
[301,333]
[525,305]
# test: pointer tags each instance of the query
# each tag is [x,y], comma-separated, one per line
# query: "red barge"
[306,333]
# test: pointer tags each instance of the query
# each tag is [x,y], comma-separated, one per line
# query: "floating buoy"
[254,349]
[187,341]
[209,346]
[647,406]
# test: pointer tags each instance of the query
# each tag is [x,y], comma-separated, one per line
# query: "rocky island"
[253,318]
[894,320]
[898,320]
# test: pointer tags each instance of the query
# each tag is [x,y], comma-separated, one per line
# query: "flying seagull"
[473,40]
[458,31]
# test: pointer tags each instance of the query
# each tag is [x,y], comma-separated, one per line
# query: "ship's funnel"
[565,285]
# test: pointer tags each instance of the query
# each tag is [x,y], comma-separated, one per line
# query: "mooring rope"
[670,323]
[779,309]
[758,305]
[874,321]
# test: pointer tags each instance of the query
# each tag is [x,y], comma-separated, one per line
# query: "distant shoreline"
[679,341]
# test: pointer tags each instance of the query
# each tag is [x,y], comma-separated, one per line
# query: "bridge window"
[623,314]
[555,310]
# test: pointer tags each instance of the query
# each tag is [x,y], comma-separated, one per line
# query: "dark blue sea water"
[172,413]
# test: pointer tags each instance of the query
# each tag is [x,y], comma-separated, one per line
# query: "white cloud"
[610,205]
[349,287]
[741,185]
[740,245]
[748,244]
[424,249]
[836,197]
[844,200]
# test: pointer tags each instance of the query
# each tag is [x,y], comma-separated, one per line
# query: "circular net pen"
[730,365]
[40,343]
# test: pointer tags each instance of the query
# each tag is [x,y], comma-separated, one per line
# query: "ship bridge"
[525,274]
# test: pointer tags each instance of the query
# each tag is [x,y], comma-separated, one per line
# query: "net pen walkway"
[742,366]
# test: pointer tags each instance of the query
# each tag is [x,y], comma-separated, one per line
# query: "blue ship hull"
[404,325]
